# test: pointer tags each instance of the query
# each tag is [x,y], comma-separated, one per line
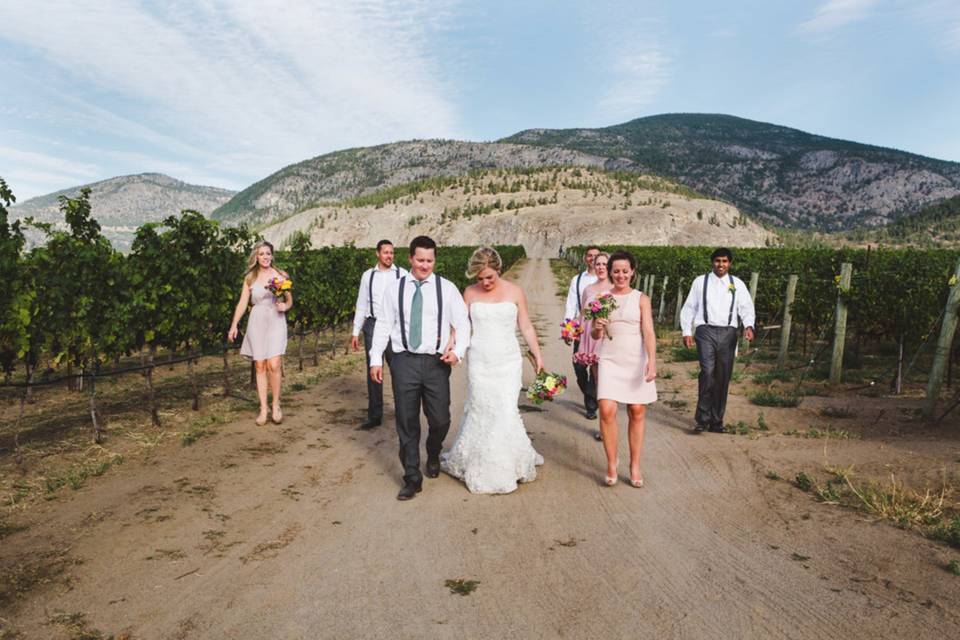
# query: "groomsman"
[369,305]
[718,302]
[418,313]
[579,282]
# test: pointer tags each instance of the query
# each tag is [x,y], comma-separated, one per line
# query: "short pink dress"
[623,357]
[588,347]
[266,335]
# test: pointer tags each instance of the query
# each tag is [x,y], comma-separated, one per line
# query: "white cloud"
[242,87]
[834,14]
[640,76]
[942,18]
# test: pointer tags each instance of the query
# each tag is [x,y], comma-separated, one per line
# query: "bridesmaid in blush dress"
[266,338]
[628,366]
[587,348]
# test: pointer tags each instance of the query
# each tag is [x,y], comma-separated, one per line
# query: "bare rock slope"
[124,203]
[354,172]
[542,210]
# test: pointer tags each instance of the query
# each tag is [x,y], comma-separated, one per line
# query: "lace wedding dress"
[492,451]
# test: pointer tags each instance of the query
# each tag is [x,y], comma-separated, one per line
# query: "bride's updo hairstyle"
[483,258]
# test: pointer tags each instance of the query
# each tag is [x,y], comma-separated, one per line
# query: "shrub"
[768,398]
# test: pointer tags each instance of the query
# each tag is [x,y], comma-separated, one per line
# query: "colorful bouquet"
[600,307]
[571,330]
[279,285]
[546,386]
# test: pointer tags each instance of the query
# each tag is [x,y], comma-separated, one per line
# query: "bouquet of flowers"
[279,286]
[546,386]
[600,307]
[570,330]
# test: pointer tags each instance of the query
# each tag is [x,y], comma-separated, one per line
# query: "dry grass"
[894,502]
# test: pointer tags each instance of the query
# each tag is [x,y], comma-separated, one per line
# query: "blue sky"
[226,92]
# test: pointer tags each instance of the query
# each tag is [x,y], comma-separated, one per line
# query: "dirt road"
[295,532]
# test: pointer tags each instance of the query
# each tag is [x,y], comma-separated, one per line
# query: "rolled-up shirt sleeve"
[690,305]
[745,308]
[384,325]
[573,297]
[362,303]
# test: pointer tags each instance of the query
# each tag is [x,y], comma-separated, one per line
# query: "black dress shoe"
[699,428]
[410,490]
[370,424]
[433,467]
[717,428]
[591,415]
[598,436]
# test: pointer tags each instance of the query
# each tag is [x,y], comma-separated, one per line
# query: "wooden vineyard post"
[663,299]
[649,289]
[754,279]
[752,288]
[787,321]
[940,356]
[676,319]
[840,327]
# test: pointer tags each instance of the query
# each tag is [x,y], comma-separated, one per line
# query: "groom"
[417,312]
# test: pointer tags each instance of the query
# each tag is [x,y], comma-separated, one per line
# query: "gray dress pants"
[374,389]
[420,381]
[716,348]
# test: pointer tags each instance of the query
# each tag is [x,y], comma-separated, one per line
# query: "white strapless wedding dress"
[492,451]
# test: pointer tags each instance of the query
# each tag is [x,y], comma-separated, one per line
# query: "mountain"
[936,225]
[782,175]
[353,172]
[542,209]
[124,203]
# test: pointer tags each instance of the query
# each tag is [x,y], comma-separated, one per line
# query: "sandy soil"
[295,532]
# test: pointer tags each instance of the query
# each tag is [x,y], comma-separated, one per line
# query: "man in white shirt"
[579,282]
[718,302]
[417,313]
[369,300]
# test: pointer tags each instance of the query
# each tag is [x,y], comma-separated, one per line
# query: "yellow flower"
[549,384]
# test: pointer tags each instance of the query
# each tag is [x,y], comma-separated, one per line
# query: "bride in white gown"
[492,452]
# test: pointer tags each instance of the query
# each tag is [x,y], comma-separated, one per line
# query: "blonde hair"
[482,258]
[253,265]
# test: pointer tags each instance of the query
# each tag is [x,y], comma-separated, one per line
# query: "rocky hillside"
[540,209]
[124,203]
[783,175]
[937,225]
[354,172]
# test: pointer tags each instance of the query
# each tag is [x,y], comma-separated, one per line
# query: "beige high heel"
[261,419]
[610,481]
[276,416]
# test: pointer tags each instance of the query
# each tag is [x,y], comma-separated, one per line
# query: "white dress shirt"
[718,304]
[388,322]
[381,278]
[578,283]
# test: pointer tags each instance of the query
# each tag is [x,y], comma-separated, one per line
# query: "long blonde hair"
[253,265]
[481,259]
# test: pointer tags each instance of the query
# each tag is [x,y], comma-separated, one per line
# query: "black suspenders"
[373,272]
[403,324]
[733,300]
